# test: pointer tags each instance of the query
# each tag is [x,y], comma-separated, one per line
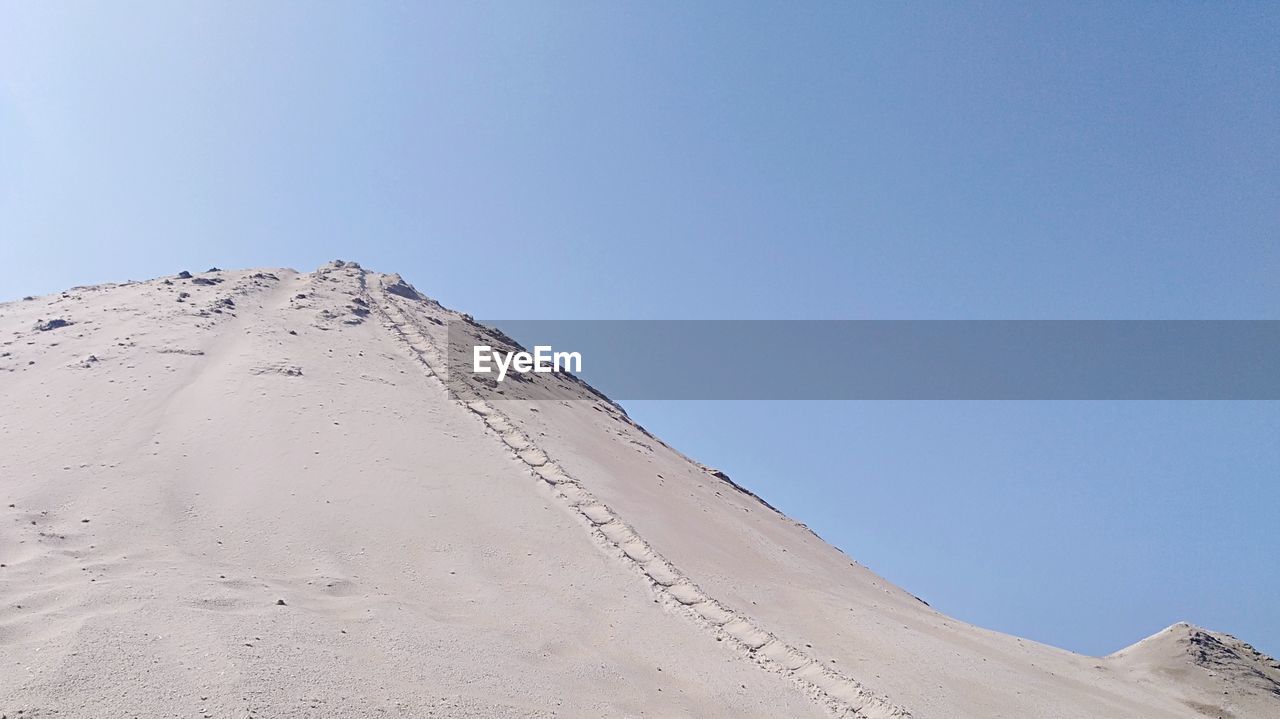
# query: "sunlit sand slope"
[249,494]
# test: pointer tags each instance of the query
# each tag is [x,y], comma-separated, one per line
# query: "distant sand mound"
[1236,675]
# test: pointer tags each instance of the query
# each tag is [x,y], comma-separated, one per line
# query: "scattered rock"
[206,280]
[213,269]
[184,275]
[287,370]
[28,298]
[280,603]
[52,325]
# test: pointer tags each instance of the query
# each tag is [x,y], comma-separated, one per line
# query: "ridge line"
[843,696]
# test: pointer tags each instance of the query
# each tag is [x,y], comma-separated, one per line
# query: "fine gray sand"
[248,494]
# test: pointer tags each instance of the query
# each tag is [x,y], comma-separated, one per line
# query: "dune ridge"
[844,696]
[249,493]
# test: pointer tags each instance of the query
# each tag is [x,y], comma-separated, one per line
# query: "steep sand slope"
[421,569]
[172,468]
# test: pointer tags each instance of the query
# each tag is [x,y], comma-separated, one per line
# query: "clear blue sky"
[742,160]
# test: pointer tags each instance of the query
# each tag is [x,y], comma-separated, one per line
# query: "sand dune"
[248,493]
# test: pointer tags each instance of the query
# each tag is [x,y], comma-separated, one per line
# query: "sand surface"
[248,494]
